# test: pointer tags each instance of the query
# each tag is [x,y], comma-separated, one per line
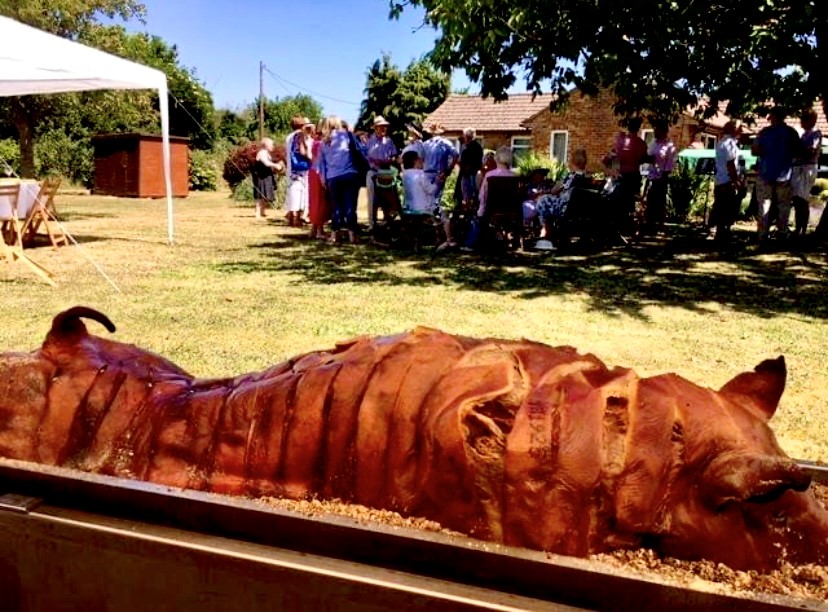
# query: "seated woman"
[552,207]
[534,190]
[503,158]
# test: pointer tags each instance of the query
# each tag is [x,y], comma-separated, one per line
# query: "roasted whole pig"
[510,441]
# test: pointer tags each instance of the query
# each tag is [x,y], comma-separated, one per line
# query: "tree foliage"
[278,113]
[657,55]
[402,96]
[191,106]
[68,18]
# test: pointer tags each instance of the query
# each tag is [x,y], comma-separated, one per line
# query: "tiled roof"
[821,124]
[485,115]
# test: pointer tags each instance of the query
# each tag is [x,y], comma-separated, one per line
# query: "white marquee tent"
[35,62]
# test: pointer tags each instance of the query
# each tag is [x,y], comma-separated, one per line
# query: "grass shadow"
[682,270]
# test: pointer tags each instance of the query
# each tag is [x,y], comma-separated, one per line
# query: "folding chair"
[504,207]
[11,235]
[43,213]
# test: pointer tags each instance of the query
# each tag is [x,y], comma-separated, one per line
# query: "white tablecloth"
[26,198]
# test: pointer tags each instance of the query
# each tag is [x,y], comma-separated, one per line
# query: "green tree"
[402,96]
[68,18]
[279,111]
[191,106]
[657,55]
[232,126]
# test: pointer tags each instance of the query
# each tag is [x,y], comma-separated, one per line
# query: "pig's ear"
[760,389]
[750,479]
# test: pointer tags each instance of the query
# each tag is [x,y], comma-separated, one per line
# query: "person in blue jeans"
[340,177]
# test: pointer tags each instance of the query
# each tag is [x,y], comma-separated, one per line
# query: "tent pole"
[163,103]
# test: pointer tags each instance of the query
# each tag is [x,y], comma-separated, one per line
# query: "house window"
[559,145]
[709,141]
[521,145]
[648,136]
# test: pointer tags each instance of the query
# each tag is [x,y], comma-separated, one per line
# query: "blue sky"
[324,47]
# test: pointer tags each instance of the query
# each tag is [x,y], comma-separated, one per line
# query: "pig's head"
[49,396]
[732,495]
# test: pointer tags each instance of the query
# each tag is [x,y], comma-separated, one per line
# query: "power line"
[283,81]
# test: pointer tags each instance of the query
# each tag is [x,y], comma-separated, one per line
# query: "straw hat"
[435,128]
[413,130]
[380,120]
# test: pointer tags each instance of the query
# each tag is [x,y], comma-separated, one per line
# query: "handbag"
[357,157]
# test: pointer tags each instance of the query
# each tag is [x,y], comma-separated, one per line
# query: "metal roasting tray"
[71,540]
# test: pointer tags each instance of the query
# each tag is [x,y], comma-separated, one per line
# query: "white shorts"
[802,180]
[297,193]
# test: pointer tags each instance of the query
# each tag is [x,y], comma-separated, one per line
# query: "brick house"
[821,124]
[496,123]
[588,122]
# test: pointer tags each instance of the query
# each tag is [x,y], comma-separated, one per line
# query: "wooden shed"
[132,165]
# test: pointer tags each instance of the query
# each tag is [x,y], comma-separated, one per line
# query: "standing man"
[415,141]
[381,154]
[804,172]
[439,159]
[729,182]
[471,160]
[662,155]
[776,146]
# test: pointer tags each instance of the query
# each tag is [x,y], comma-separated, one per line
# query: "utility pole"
[261,100]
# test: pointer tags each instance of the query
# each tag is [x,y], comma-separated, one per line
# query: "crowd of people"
[327,165]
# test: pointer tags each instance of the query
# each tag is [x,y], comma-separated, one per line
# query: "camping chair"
[504,209]
[386,195]
[586,216]
[43,213]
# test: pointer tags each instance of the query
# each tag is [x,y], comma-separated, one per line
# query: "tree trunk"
[25,137]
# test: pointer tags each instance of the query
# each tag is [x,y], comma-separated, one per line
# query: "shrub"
[687,190]
[243,192]
[447,199]
[821,189]
[9,153]
[239,162]
[56,154]
[533,160]
[203,171]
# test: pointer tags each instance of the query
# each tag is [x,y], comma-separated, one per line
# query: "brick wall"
[591,124]
[489,140]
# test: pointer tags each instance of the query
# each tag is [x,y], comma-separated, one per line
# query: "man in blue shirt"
[381,154]
[776,145]
[439,159]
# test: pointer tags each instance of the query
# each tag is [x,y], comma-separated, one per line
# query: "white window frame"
[552,135]
[645,134]
[527,147]
[708,140]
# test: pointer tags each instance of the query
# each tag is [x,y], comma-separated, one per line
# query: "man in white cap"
[415,141]
[381,154]
[439,159]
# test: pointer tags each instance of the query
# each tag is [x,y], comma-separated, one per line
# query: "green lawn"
[235,294]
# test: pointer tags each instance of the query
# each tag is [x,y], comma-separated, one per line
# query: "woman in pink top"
[629,151]
[503,157]
[319,208]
